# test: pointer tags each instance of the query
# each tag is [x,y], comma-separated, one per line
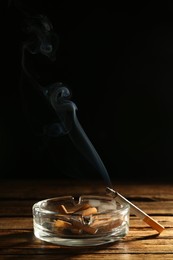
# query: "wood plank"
[24,207]
[118,249]
[18,241]
[16,223]
[16,208]
[38,189]
[93,256]
[27,222]
[166,221]
[160,208]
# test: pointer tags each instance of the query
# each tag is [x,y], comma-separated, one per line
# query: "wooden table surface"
[17,240]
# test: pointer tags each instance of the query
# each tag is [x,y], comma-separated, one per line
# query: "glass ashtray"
[88,220]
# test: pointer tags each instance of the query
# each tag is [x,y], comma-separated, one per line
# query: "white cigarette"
[135,210]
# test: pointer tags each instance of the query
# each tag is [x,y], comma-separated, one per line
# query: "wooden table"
[17,240]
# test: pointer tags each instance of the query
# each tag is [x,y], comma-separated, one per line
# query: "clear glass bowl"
[88,220]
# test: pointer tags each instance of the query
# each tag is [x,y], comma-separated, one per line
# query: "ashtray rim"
[73,199]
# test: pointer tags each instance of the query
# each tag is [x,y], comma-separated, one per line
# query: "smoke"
[43,40]
[58,94]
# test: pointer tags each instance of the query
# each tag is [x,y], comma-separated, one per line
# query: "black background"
[118,62]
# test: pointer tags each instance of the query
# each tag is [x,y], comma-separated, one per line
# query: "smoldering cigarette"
[135,210]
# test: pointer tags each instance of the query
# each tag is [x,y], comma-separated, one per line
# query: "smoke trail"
[44,41]
[58,94]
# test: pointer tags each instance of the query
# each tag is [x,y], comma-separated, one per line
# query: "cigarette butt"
[63,210]
[62,224]
[80,207]
[89,211]
[87,229]
[152,223]
[106,224]
[74,226]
